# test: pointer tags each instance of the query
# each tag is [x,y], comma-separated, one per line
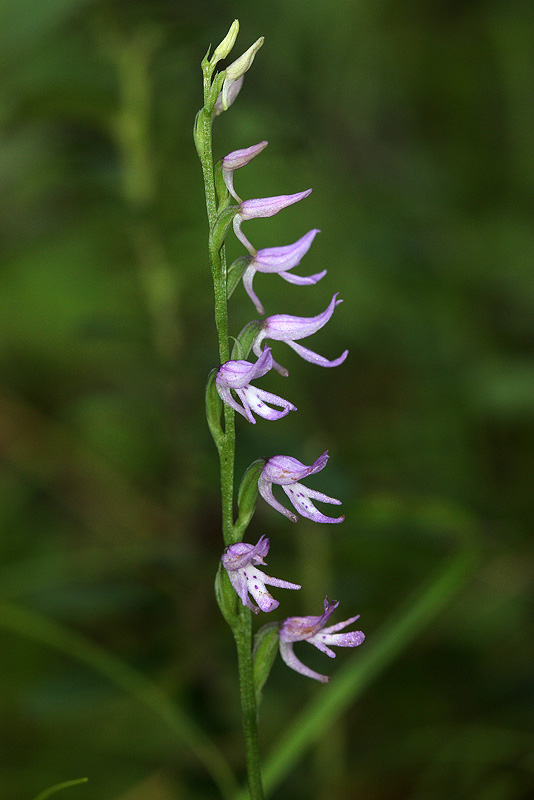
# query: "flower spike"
[237,375]
[263,207]
[280,260]
[240,561]
[285,328]
[287,472]
[312,630]
[236,159]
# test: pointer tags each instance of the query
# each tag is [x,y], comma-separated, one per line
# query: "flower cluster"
[234,384]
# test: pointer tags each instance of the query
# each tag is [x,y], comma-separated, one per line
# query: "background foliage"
[412,121]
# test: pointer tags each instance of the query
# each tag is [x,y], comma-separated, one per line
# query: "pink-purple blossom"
[286,328]
[237,159]
[237,376]
[287,472]
[313,630]
[263,207]
[280,260]
[241,563]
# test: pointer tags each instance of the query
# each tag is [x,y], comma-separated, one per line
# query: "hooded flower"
[237,375]
[240,561]
[237,159]
[263,207]
[287,472]
[312,630]
[280,260]
[285,328]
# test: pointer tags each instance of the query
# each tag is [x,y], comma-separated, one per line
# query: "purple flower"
[237,159]
[237,375]
[285,328]
[263,207]
[240,561]
[280,260]
[287,472]
[312,630]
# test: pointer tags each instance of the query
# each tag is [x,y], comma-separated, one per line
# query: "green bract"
[263,655]
[247,497]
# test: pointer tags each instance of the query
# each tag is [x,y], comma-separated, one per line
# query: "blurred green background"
[413,122]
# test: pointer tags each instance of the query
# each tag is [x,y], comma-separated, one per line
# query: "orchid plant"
[240,584]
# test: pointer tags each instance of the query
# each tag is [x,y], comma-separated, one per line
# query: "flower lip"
[313,630]
[287,472]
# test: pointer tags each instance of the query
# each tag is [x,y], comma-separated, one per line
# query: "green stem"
[243,638]
[218,270]
[226,447]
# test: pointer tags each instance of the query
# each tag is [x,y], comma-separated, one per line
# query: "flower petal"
[289,657]
[256,399]
[285,327]
[349,639]
[237,374]
[315,358]
[248,277]
[299,497]
[286,469]
[269,206]
[266,491]
[280,259]
[304,280]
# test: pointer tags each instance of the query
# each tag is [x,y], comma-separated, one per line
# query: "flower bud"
[224,48]
[233,91]
[238,68]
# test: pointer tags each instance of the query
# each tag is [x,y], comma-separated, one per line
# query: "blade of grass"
[365,667]
[48,632]
[58,787]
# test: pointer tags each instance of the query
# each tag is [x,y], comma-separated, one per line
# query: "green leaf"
[263,656]
[235,273]
[59,786]
[245,339]
[220,228]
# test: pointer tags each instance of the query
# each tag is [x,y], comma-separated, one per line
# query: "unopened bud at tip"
[225,47]
[244,62]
